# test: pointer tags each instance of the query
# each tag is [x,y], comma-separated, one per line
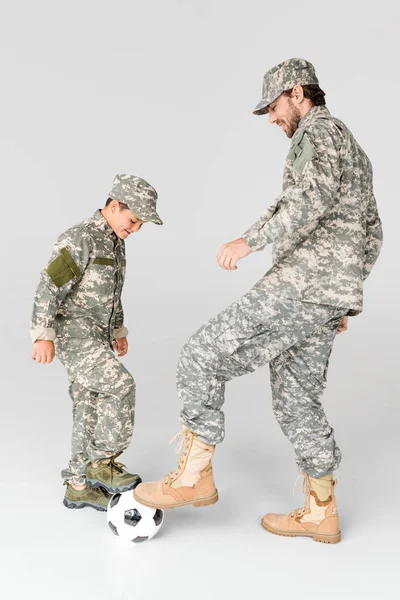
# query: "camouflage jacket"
[79,292]
[324,226]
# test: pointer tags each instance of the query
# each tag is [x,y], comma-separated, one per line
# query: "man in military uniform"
[326,236]
[78,315]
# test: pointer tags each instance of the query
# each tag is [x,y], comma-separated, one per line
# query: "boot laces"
[182,446]
[300,511]
[115,466]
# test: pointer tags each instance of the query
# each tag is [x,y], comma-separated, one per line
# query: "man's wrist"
[247,239]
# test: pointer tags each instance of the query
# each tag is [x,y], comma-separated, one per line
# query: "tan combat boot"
[317,519]
[191,483]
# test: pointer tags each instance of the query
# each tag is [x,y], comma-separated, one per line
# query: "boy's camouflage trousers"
[296,339]
[103,396]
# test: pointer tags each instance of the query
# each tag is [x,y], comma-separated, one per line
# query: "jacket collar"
[315,112]
[101,223]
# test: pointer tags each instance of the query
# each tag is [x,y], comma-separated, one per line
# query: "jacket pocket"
[63,268]
[96,288]
[303,152]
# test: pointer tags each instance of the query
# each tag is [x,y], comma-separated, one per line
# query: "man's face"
[124,222]
[284,113]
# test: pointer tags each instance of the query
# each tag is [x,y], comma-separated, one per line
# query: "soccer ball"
[131,520]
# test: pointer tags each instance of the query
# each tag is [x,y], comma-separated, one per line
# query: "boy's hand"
[230,253]
[342,325]
[43,351]
[121,346]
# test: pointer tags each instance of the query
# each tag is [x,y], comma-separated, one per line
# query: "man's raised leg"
[246,335]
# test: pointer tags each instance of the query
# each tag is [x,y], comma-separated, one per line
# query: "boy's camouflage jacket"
[79,292]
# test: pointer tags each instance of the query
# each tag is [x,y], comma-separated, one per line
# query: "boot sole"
[207,501]
[71,504]
[95,483]
[324,538]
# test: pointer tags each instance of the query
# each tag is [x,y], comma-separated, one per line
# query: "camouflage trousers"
[296,339]
[103,396]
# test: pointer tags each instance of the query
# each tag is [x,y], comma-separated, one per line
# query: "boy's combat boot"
[95,498]
[191,483]
[111,476]
[317,519]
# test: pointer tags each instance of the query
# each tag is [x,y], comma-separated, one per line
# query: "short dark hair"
[312,92]
[122,205]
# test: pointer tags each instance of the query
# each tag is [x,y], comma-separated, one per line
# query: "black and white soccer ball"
[131,520]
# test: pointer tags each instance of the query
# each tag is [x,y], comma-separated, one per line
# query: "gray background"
[165,90]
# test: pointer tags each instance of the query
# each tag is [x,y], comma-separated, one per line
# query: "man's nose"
[272,117]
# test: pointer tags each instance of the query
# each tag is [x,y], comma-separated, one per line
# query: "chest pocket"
[99,280]
[301,153]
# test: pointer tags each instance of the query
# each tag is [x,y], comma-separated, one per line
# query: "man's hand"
[342,325]
[43,351]
[230,253]
[121,346]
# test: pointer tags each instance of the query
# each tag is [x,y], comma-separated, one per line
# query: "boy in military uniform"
[78,315]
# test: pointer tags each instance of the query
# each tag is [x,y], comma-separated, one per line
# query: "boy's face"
[124,221]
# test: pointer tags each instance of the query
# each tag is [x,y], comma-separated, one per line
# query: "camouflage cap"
[284,77]
[139,195]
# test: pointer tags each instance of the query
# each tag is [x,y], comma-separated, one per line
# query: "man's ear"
[298,93]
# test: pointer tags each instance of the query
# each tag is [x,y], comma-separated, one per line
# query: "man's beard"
[294,119]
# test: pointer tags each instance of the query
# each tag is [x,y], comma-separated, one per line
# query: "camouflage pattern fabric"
[79,293]
[296,338]
[138,194]
[78,305]
[103,396]
[324,226]
[298,379]
[282,77]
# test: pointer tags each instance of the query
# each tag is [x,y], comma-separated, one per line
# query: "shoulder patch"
[303,152]
[63,268]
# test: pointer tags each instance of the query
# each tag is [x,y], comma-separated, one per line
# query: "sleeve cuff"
[254,240]
[247,238]
[120,332]
[43,333]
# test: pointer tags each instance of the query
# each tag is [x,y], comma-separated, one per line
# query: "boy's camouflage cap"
[138,194]
[284,77]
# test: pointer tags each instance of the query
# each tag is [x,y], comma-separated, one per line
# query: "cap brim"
[157,221]
[261,108]
[152,218]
